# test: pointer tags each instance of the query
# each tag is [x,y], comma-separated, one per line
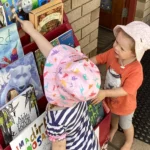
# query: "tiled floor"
[119,140]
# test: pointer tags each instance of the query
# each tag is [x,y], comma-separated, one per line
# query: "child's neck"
[124,62]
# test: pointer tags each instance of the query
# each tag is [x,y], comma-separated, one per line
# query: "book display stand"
[29,46]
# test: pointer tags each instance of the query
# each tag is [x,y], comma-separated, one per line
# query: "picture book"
[47,17]
[18,113]
[40,61]
[65,38]
[95,112]
[10,45]
[33,137]
[3,22]
[21,8]
[18,76]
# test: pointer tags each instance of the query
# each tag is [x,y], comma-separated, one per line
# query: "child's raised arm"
[42,43]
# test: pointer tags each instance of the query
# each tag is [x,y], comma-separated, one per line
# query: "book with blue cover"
[18,113]
[33,137]
[67,38]
[10,45]
[18,76]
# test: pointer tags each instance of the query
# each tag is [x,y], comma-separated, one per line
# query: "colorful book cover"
[33,137]
[10,45]
[47,17]
[65,38]
[3,22]
[21,8]
[18,76]
[95,112]
[40,61]
[18,113]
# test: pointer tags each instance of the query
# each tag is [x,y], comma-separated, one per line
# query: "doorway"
[113,12]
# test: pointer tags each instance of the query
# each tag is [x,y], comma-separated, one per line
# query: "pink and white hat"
[140,32]
[70,77]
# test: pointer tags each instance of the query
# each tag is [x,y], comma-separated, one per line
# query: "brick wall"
[83,15]
[143,11]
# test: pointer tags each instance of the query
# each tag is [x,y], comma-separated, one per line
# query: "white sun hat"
[140,32]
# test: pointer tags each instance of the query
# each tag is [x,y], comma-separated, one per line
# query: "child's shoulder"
[136,67]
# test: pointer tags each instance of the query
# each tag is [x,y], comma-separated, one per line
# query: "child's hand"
[26,25]
[101,95]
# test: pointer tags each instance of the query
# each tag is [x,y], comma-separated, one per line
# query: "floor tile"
[119,140]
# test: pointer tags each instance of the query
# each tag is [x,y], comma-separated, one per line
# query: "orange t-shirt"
[130,79]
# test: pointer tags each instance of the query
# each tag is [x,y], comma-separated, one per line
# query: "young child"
[70,79]
[124,76]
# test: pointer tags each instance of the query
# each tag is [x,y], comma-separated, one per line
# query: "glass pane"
[106,4]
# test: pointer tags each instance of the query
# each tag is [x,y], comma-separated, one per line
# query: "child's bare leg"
[129,135]
[114,126]
[127,126]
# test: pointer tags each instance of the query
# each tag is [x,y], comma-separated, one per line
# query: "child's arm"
[116,92]
[93,59]
[42,43]
[59,145]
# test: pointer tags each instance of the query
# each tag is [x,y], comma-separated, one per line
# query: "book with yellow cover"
[48,16]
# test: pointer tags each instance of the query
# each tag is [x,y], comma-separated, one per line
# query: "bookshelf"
[31,47]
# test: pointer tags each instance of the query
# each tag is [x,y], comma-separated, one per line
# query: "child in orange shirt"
[124,76]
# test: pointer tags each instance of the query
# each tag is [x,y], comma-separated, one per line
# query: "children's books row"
[17,70]
[17,73]
[16,77]
[21,125]
[45,15]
